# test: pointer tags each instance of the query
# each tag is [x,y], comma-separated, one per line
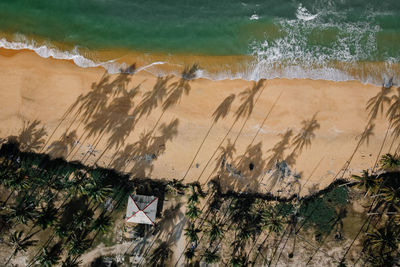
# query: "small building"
[141,209]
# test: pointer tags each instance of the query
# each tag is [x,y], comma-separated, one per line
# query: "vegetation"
[56,210]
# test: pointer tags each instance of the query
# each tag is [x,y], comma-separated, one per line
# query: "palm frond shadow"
[220,113]
[32,136]
[223,109]
[248,99]
[375,105]
[250,165]
[61,147]
[144,151]
[307,133]
[152,99]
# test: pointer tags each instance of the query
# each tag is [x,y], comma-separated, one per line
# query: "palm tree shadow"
[279,149]
[123,157]
[95,100]
[153,98]
[376,104]
[61,147]
[168,133]
[248,98]
[32,136]
[243,173]
[170,217]
[225,156]
[224,108]
[113,115]
[221,112]
[150,147]
[181,87]
[94,104]
[307,133]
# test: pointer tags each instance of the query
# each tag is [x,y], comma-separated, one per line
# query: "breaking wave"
[287,57]
[46,51]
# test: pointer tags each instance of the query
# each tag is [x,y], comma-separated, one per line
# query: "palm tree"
[194,197]
[382,241]
[160,255]
[47,216]
[14,181]
[193,212]
[272,222]
[389,162]
[215,232]
[391,195]
[238,261]
[191,232]
[77,245]
[102,223]
[81,220]
[189,254]
[50,257]
[71,262]
[23,212]
[176,187]
[19,243]
[211,256]
[367,182]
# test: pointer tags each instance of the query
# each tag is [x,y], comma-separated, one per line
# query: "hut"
[141,209]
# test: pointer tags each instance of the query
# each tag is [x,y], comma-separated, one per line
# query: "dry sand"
[33,88]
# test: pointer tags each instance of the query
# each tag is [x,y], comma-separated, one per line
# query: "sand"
[42,90]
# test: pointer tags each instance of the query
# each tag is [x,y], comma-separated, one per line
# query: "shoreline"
[34,88]
[216,68]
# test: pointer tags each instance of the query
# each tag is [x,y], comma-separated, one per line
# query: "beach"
[42,90]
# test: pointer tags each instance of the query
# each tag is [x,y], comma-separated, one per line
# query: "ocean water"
[317,39]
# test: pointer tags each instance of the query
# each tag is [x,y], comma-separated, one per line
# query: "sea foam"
[45,51]
[283,58]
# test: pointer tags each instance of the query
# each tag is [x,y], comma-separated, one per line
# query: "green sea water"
[283,36]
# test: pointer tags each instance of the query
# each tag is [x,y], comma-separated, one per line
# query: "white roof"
[141,209]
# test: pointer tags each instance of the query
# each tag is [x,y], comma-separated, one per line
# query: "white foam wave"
[151,65]
[254,17]
[283,58]
[295,55]
[303,14]
[47,51]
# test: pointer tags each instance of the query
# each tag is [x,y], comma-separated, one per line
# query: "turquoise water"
[287,36]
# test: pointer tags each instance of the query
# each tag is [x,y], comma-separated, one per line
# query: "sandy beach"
[277,111]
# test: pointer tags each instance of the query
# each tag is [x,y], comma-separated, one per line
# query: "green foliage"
[192,233]
[338,196]
[47,215]
[284,209]
[215,231]
[389,162]
[319,214]
[193,212]
[50,257]
[189,254]
[211,256]
[272,221]
[21,243]
[102,223]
